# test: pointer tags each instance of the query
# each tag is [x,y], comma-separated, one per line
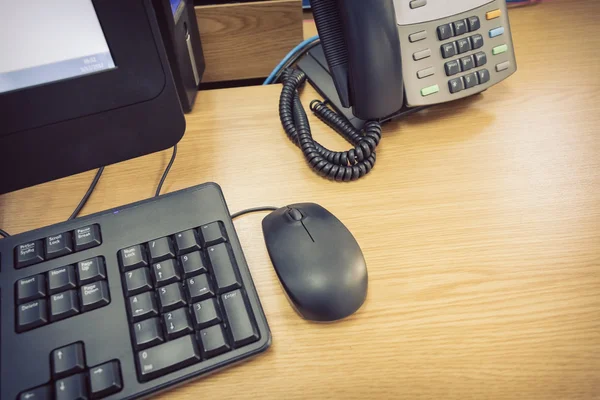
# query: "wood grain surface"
[246,40]
[480,225]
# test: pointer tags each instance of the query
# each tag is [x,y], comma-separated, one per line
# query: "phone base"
[314,65]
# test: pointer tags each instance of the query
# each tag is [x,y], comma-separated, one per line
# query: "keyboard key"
[213,233]
[63,305]
[483,75]
[61,279]
[137,281]
[167,357]
[456,85]
[38,393]
[198,288]
[147,333]
[192,264]
[87,237]
[473,23]
[470,80]
[480,59]
[223,269]
[452,67]
[241,324]
[142,306]
[29,253]
[67,360]
[477,41]
[58,245]
[71,388]
[444,32]
[206,314]
[160,249]
[177,323]
[170,297]
[105,380]
[213,341]
[165,273]
[132,257]
[460,27]
[94,295]
[29,289]
[186,242]
[91,270]
[448,50]
[31,315]
[463,45]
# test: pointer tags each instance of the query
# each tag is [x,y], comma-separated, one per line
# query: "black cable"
[340,166]
[164,176]
[87,195]
[295,59]
[3,233]
[253,210]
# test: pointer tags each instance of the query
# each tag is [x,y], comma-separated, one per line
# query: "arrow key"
[67,360]
[105,380]
[38,393]
[71,388]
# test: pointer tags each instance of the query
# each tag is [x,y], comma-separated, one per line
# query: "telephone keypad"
[476,41]
[460,27]
[466,63]
[463,45]
[448,50]
[470,80]
[445,32]
[455,85]
[480,59]
[474,23]
[483,75]
[452,68]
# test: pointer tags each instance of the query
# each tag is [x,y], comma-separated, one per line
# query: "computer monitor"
[83,84]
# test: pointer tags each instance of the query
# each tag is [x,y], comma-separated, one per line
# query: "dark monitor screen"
[63,40]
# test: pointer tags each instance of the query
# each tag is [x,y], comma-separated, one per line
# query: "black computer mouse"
[318,261]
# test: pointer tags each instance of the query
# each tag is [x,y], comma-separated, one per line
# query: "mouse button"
[295,214]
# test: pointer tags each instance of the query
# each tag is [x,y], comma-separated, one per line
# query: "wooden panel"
[247,40]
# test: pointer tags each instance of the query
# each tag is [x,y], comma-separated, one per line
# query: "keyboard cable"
[3,233]
[87,195]
[164,176]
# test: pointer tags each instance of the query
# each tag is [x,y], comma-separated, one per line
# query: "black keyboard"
[127,302]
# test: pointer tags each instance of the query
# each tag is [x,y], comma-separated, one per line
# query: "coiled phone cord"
[343,166]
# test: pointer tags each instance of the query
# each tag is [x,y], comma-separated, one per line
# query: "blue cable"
[296,49]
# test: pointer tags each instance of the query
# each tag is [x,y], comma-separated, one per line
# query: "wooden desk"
[480,225]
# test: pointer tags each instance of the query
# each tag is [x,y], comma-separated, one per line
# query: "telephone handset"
[386,54]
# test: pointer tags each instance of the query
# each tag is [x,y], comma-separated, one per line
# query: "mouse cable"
[3,233]
[164,176]
[343,166]
[253,210]
[87,195]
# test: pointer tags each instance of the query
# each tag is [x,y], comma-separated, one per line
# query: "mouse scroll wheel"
[295,214]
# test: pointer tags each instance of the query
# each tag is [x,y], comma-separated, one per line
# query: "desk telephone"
[379,59]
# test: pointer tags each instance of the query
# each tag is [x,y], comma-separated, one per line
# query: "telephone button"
[452,68]
[466,63]
[418,3]
[460,27]
[470,80]
[496,32]
[419,55]
[448,50]
[424,73]
[480,59]
[493,14]
[444,32]
[474,23]
[455,85]
[499,49]
[477,41]
[430,90]
[484,76]
[463,45]
[415,37]
[502,66]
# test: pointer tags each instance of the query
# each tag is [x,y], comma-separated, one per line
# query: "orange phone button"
[493,14]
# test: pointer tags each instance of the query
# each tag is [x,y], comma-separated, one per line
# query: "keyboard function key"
[59,245]
[165,272]
[456,85]
[460,27]
[142,306]
[177,323]
[463,45]
[476,41]
[213,341]
[31,315]
[206,313]
[170,297]
[484,76]
[473,23]
[160,249]
[223,269]
[30,253]
[29,289]
[213,233]
[67,360]
[186,242]
[94,295]
[198,288]
[61,279]
[241,324]
[38,393]
[87,237]
[470,80]
[192,264]
[63,305]
[480,59]
[452,68]
[91,270]
[132,257]
[138,281]
[166,358]
[72,387]
[105,380]
[444,32]
[147,333]
[448,50]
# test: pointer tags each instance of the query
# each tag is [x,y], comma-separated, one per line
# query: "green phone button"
[430,90]
[499,49]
